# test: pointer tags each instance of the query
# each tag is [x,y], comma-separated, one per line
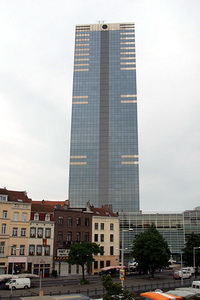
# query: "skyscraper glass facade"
[104,136]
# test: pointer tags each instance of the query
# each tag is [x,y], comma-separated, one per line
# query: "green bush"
[84,281]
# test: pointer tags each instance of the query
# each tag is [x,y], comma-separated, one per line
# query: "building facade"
[175,227]
[14,225]
[71,226]
[104,136]
[41,239]
[105,232]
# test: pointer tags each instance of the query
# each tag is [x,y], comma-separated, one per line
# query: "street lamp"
[122,258]
[194,262]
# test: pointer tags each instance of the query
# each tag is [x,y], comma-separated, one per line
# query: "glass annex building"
[104,136]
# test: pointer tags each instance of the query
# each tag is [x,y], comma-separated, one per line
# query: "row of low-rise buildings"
[36,236]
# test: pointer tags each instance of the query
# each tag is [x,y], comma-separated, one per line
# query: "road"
[66,285]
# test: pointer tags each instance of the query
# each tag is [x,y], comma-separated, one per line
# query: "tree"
[150,250]
[192,241]
[82,254]
[114,291]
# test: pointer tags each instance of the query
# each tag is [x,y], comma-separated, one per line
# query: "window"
[24,217]
[108,263]
[47,217]
[95,264]
[96,237]
[47,232]
[60,221]
[96,226]
[36,217]
[47,250]
[23,231]
[112,238]
[16,205]
[87,222]
[13,250]
[102,237]
[2,247]
[15,216]
[60,236]
[111,226]
[22,250]
[40,233]
[39,249]
[87,236]
[78,221]
[32,232]
[69,236]
[102,248]
[111,250]
[3,229]
[102,226]
[14,231]
[101,264]
[69,221]
[32,250]
[78,237]
[5,214]
[24,206]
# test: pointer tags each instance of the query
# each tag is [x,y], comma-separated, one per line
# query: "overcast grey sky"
[36,72]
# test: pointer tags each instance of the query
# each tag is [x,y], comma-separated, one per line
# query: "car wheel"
[26,287]
[13,288]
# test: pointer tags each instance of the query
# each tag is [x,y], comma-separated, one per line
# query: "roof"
[37,207]
[160,296]
[15,196]
[102,212]
[49,202]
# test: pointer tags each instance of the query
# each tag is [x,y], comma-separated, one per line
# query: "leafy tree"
[192,241]
[82,254]
[114,291]
[150,250]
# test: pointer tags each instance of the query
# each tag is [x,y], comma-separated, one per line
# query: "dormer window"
[36,217]
[47,217]
[3,197]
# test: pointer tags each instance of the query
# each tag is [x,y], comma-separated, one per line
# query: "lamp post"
[122,258]
[181,269]
[13,253]
[194,262]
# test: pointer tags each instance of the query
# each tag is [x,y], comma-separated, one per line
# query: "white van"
[18,283]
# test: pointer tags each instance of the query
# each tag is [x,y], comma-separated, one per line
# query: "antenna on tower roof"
[101,21]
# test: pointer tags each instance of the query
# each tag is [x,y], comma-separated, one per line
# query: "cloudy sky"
[36,72]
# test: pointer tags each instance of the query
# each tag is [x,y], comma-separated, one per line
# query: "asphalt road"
[66,285]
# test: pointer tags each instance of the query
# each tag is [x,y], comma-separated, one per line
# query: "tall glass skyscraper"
[104,136]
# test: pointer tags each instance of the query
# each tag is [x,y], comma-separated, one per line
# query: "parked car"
[185,274]
[190,269]
[18,283]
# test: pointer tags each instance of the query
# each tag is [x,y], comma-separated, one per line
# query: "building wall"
[71,226]
[41,262]
[170,225]
[13,255]
[104,136]
[105,232]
